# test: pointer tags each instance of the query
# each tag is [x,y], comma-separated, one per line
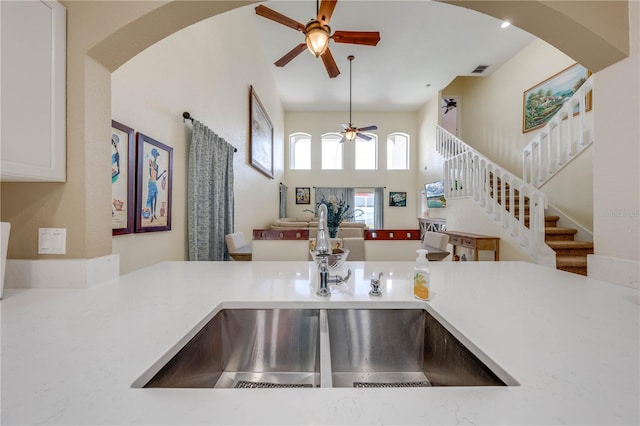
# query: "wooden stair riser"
[575,270]
[583,252]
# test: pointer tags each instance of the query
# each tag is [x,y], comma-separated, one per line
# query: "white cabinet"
[33,91]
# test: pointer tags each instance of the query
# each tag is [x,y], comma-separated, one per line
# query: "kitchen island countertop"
[69,356]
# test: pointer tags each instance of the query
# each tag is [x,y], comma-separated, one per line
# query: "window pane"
[366,153]
[331,151]
[398,151]
[365,201]
[300,151]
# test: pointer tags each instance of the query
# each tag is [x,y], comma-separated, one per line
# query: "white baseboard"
[623,272]
[61,273]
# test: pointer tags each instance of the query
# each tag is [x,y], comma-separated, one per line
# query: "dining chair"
[435,239]
[235,241]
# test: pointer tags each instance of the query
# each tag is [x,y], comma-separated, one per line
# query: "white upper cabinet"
[33,91]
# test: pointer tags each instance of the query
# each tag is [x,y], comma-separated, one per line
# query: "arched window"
[300,151]
[332,151]
[398,151]
[367,153]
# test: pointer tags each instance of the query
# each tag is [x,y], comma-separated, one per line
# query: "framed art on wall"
[544,99]
[397,199]
[122,178]
[434,192]
[303,195]
[260,136]
[154,180]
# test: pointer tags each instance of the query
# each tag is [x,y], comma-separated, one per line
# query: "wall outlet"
[52,240]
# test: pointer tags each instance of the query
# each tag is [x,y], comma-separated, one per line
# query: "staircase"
[468,173]
[571,255]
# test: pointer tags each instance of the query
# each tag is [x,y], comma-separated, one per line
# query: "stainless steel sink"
[248,348]
[400,348]
[275,348]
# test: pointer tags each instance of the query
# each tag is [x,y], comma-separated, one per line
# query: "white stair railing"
[504,197]
[565,136]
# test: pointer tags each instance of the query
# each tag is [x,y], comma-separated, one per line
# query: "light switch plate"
[52,240]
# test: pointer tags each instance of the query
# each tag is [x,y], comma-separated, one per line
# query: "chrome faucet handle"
[375,286]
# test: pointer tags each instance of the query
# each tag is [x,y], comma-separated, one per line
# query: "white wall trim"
[618,271]
[69,273]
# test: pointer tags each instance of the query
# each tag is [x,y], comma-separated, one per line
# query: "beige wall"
[200,71]
[493,125]
[318,123]
[616,167]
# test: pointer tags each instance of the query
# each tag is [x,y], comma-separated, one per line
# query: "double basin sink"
[308,348]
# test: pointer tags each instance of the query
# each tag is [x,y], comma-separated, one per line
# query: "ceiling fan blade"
[363,136]
[344,125]
[343,140]
[290,55]
[364,129]
[326,10]
[279,18]
[369,38]
[330,64]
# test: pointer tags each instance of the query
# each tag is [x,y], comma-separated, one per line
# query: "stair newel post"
[484,200]
[477,182]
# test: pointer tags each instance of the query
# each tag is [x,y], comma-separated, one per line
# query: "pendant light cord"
[350,87]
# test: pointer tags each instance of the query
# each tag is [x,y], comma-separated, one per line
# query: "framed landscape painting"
[544,99]
[260,136]
[154,180]
[122,178]
[435,195]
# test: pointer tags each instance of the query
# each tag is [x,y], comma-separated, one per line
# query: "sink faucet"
[322,251]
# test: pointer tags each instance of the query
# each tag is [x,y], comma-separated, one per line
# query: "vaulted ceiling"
[423,46]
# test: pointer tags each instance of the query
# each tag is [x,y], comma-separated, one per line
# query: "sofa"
[347,229]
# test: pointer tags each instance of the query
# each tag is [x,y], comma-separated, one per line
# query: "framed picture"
[303,195]
[154,179]
[435,195]
[123,164]
[543,100]
[260,136]
[397,199]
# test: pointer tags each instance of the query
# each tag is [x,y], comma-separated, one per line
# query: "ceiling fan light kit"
[318,34]
[317,37]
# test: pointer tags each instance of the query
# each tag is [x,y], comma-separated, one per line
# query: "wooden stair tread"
[571,261]
[554,230]
[550,217]
[570,244]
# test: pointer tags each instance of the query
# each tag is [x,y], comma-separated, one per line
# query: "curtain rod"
[187,116]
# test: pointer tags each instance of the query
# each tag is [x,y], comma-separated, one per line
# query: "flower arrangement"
[337,212]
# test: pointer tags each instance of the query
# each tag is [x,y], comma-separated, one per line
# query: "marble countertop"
[69,356]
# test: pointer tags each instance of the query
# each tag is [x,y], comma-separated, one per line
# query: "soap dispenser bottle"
[421,276]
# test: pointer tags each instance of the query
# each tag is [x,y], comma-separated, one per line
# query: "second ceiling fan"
[317,35]
[352,132]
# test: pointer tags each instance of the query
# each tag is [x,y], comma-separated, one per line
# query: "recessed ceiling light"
[505,24]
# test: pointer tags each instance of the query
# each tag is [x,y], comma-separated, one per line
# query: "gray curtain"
[283,200]
[378,210]
[346,194]
[209,194]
